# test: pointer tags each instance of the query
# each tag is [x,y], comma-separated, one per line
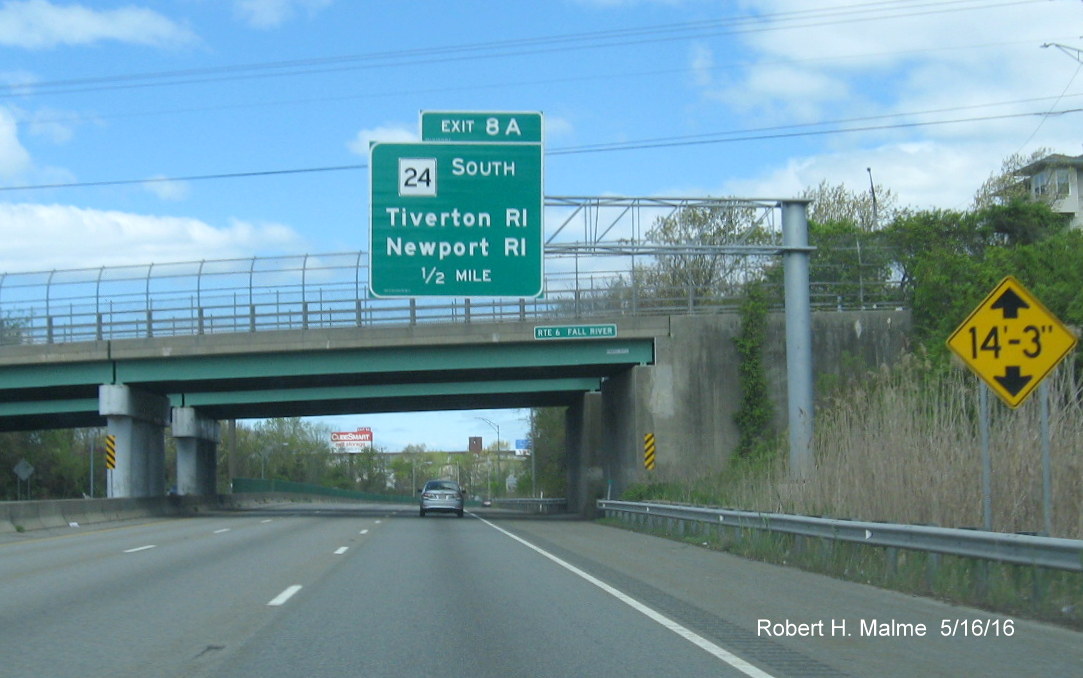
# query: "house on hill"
[1057,179]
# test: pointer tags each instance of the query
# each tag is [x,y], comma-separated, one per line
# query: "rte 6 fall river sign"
[1011,341]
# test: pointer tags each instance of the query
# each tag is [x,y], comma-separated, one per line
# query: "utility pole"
[872,191]
[495,427]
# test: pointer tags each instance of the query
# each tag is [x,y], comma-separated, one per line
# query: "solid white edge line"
[686,633]
[281,598]
[141,548]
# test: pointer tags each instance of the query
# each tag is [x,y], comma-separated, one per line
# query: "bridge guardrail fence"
[1019,549]
[611,270]
[272,486]
[79,318]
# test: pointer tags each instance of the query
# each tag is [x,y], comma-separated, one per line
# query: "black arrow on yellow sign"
[1011,341]
[1010,303]
[1013,381]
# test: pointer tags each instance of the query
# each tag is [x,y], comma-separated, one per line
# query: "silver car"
[442,495]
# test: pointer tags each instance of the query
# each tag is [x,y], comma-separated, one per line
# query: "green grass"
[1048,595]
[902,445]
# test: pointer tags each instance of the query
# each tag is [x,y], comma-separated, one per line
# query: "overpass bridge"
[184,345]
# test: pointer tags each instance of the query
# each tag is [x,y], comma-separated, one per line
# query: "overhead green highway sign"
[459,214]
[459,126]
[575,331]
[456,220]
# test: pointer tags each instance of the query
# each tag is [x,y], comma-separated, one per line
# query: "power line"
[718,136]
[1063,93]
[799,19]
[194,177]
[769,134]
[642,144]
[458,87]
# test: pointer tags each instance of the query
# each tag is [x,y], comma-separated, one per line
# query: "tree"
[61,459]
[950,260]
[1022,222]
[1005,185]
[547,444]
[11,329]
[836,204]
[701,277]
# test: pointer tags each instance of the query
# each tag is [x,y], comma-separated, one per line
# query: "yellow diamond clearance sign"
[1011,341]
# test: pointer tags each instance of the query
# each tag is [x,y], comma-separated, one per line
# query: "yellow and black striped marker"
[110,451]
[648,451]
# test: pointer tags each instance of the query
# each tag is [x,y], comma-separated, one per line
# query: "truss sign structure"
[459,214]
[1012,341]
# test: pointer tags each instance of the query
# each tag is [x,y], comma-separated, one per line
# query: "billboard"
[352,442]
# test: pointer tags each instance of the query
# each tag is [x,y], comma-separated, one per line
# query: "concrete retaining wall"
[18,516]
[24,516]
[690,396]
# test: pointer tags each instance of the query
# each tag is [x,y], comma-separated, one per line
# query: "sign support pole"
[986,459]
[1012,342]
[795,262]
[1047,466]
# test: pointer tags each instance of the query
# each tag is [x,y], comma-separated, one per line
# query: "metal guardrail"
[1019,549]
[547,505]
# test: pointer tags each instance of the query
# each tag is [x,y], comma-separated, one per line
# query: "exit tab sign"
[473,126]
[575,331]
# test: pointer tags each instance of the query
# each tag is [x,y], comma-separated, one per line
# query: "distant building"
[1056,179]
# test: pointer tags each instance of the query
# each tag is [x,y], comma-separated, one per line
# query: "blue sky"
[749,98]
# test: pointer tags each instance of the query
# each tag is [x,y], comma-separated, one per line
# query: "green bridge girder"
[315,377]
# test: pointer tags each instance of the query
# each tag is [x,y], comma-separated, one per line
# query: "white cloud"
[904,58]
[387,134]
[14,159]
[919,66]
[265,14]
[167,189]
[922,175]
[557,128]
[44,237]
[702,62]
[17,82]
[54,125]
[39,24]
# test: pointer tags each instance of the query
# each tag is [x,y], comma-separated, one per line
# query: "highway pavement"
[371,590]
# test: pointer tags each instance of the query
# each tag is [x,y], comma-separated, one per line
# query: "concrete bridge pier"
[138,420]
[583,437]
[197,452]
[626,417]
[605,439]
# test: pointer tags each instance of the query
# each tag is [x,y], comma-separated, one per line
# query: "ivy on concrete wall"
[753,416]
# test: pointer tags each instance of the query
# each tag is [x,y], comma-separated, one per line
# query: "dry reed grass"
[904,446]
